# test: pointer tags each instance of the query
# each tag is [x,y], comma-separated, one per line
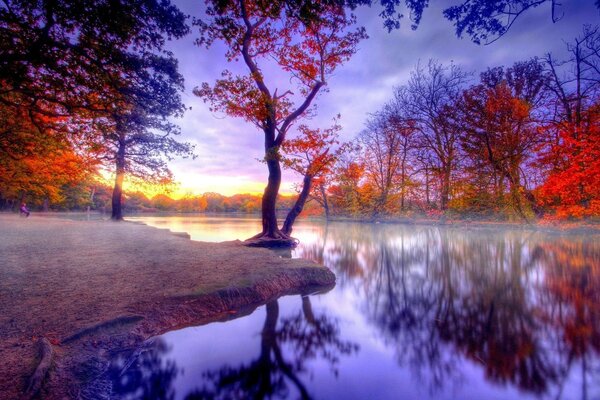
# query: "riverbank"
[74,292]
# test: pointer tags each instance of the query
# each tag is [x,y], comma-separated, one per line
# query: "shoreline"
[547,226]
[87,289]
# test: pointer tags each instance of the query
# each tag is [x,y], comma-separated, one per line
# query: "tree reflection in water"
[144,374]
[523,306]
[276,374]
[287,344]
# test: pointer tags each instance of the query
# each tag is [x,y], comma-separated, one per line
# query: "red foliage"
[572,189]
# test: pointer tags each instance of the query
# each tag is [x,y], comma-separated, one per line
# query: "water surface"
[418,312]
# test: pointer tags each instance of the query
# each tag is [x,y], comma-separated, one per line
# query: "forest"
[90,95]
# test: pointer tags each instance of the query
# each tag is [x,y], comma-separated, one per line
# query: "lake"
[418,312]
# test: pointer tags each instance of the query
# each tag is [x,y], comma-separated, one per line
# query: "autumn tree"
[102,65]
[571,155]
[37,161]
[308,50]
[572,189]
[312,154]
[347,192]
[388,141]
[59,58]
[500,132]
[428,100]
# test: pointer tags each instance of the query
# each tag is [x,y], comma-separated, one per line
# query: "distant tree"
[307,49]
[388,142]
[428,101]
[134,147]
[312,154]
[500,131]
[347,193]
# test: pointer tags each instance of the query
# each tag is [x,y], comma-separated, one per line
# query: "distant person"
[24,211]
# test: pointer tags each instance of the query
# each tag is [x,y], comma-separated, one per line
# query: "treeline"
[97,197]
[521,142]
[89,89]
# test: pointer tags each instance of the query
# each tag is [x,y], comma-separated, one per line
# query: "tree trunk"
[307,310]
[269,200]
[271,236]
[427,202]
[298,206]
[46,205]
[445,195]
[21,201]
[325,202]
[91,198]
[117,213]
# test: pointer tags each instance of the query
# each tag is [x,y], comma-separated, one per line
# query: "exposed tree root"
[122,320]
[36,380]
[277,239]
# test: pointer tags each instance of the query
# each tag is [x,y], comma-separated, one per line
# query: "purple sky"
[228,148]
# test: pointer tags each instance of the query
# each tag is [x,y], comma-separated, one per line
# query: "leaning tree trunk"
[271,236]
[298,206]
[117,212]
[269,200]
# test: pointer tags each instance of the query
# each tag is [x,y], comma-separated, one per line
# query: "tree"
[312,154]
[487,21]
[388,143]
[428,101]
[136,137]
[62,59]
[346,192]
[37,161]
[307,49]
[500,134]
[571,152]
[572,189]
[575,82]
[132,143]
[103,66]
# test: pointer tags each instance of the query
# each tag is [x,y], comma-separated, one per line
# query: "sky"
[229,149]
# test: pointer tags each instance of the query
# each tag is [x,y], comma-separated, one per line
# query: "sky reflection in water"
[418,312]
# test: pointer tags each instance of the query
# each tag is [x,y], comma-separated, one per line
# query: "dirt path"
[91,287]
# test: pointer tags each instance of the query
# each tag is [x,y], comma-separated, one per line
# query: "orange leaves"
[268,35]
[236,96]
[314,151]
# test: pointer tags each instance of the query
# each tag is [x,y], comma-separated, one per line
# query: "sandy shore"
[92,287]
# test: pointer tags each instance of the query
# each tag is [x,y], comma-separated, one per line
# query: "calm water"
[417,313]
